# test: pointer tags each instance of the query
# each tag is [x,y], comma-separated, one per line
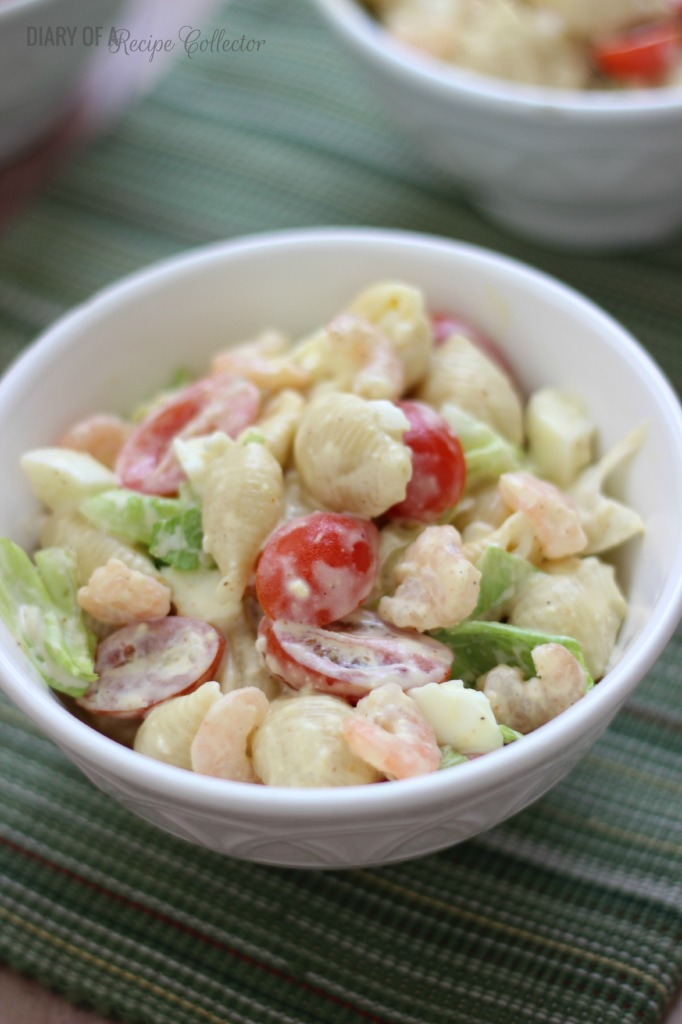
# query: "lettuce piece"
[509,735]
[487,453]
[38,604]
[178,541]
[502,577]
[479,646]
[128,514]
[57,568]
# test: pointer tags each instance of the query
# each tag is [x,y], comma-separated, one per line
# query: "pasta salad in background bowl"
[350,545]
[560,119]
[565,44]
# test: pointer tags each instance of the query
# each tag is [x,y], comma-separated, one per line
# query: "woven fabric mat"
[570,913]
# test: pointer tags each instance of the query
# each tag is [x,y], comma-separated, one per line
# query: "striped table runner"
[570,913]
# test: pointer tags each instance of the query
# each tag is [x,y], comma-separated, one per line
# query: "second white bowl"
[577,169]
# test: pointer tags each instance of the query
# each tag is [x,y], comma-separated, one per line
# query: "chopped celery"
[129,514]
[178,541]
[510,735]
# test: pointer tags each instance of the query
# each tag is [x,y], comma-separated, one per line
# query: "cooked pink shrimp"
[119,595]
[263,361]
[438,585]
[222,744]
[389,732]
[364,358]
[526,704]
[552,513]
[101,436]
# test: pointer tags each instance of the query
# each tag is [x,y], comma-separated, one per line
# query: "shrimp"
[389,732]
[101,436]
[438,585]
[264,362]
[368,357]
[356,356]
[119,595]
[553,515]
[525,705]
[222,744]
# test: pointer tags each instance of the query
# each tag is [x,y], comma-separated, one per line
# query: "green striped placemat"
[570,913]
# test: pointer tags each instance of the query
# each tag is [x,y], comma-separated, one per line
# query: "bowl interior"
[125,343]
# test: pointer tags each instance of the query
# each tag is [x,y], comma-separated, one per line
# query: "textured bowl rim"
[510,98]
[355,802]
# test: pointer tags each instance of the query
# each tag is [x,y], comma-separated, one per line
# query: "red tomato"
[438,466]
[147,462]
[317,568]
[443,326]
[144,664]
[359,654]
[645,54]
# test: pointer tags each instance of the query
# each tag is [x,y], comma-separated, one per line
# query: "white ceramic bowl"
[46,47]
[120,346]
[580,169]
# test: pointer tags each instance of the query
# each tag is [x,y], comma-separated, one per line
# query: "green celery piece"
[38,604]
[509,735]
[480,646]
[179,541]
[502,577]
[487,454]
[451,758]
[129,514]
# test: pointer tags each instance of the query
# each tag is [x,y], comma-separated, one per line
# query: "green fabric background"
[571,913]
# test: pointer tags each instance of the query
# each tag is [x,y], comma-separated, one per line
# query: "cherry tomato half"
[147,461]
[438,466]
[144,664]
[359,654]
[317,568]
[645,54]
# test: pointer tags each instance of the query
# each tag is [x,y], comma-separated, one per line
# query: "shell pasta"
[352,557]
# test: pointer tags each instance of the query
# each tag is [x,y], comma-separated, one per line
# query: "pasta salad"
[567,44]
[341,559]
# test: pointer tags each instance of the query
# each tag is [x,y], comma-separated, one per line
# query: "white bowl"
[580,169]
[122,345]
[39,77]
